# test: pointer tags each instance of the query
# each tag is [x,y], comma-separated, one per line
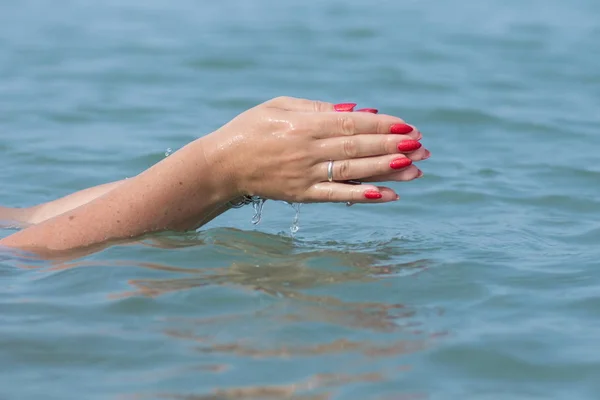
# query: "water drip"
[295,226]
[257,204]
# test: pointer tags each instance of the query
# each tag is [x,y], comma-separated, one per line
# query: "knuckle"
[347,125]
[330,194]
[350,148]
[300,126]
[389,145]
[279,102]
[273,102]
[320,106]
[344,172]
[381,127]
[383,167]
[357,195]
[281,99]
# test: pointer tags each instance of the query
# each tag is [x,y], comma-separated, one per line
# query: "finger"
[397,176]
[305,105]
[348,147]
[327,125]
[361,168]
[332,192]
[419,155]
[368,110]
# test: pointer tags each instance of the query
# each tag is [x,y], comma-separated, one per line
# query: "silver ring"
[330,171]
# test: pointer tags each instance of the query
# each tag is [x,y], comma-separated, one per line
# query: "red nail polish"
[400,163]
[369,110]
[373,195]
[401,129]
[409,145]
[344,107]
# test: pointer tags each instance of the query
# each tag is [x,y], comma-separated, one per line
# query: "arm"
[176,194]
[36,214]
[280,150]
[45,211]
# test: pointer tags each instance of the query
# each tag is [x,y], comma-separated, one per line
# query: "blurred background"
[481,283]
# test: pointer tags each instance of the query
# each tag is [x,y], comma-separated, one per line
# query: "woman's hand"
[281,150]
[278,150]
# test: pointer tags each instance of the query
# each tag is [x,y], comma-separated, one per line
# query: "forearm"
[43,212]
[179,193]
[36,214]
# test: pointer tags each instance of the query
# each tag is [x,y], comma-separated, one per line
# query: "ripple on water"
[482,282]
[262,312]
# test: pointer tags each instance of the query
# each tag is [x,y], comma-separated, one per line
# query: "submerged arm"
[13,216]
[41,212]
[179,193]
[45,211]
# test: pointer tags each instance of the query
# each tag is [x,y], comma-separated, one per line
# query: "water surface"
[481,283]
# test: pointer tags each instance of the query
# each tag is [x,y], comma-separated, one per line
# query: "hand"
[281,150]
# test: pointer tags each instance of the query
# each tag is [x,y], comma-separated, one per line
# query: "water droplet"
[168,152]
[295,226]
[257,204]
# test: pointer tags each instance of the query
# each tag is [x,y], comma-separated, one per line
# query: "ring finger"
[362,168]
[395,176]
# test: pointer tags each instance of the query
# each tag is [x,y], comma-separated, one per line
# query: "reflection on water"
[325,383]
[284,272]
[482,281]
[296,283]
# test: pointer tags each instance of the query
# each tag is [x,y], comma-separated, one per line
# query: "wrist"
[219,159]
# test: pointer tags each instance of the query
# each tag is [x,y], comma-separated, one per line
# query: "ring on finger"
[330,171]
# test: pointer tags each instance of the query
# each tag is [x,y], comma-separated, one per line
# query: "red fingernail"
[409,145]
[373,195]
[401,129]
[400,163]
[344,107]
[369,110]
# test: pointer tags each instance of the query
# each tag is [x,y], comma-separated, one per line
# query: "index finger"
[332,124]
[301,105]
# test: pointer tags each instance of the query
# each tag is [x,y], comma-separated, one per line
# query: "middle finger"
[359,146]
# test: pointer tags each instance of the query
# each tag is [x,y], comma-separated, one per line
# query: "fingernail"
[368,110]
[397,197]
[409,145]
[419,174]
[344,107]
[401,129]
[400,163]
[427,155]
[373,195]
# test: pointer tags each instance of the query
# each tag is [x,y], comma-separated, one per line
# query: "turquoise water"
[483,282]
